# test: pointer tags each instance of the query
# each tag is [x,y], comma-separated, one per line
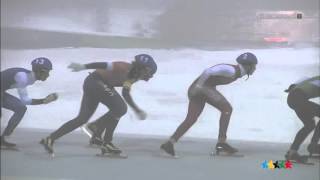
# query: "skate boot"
[95,141]
[90,129]
[6,144]
[47,144]
[296,157]
[168,147]
[110,148]
[224,147]
[314,149]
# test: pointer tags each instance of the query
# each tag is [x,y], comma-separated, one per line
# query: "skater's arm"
[21,79]
[46,100]
[99,65]
[127,96]
[25,99]
[23,93]
[140,113]
[51,97]
[95,65]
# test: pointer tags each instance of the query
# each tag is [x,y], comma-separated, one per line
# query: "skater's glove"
[50,98]
[75,67]
[141,115]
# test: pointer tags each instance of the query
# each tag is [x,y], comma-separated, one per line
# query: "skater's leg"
[299,103]
[306,111]
[89,103]
[108,123]
[108,96]
[195,108]
[117,108]
[216,99]
[88,106]
[309,125]
[316,135]
[98,126]
[14,104]
[314,147]
[313,109]
[196,105]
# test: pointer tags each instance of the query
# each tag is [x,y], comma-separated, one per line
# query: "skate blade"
[47,150]
[112,155]
[311,156]
[314,156]
[84,129]
[94,146]
[224,154]
[6,148]
[163,153]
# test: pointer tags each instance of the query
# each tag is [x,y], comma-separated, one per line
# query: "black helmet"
[247,59]
[146,60]
[41,63]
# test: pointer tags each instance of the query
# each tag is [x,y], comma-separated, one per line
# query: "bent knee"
[20,109]
[80,121]
[310,126]
[120,111]
[227,110]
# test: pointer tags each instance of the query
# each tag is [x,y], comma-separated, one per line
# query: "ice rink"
[75,160]
[184,37]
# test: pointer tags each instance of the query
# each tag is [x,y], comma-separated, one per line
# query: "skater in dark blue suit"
[20,78]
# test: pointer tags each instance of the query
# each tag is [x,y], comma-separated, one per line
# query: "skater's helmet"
[146,61]
[247,59]
[41,63]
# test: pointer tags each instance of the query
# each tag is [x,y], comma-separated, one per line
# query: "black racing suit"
[96,91]
[298,100]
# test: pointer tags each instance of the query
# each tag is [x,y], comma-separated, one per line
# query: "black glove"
[50,98]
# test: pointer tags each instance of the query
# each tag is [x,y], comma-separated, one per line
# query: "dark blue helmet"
[41,63]
[146,60]
[247,59]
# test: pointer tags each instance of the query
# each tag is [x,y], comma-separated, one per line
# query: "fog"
[180,35]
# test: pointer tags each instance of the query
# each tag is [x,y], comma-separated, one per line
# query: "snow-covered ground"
[260,109]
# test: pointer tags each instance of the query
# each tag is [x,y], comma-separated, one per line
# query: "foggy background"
[157,23]
[184,37]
